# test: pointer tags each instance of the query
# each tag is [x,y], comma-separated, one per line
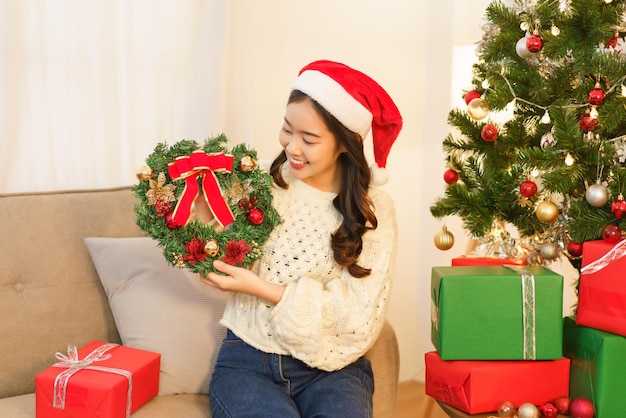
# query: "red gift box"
[99,380]
[479,386]
[487,261]
[601,293]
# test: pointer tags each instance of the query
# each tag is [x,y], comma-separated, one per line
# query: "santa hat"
[358,102]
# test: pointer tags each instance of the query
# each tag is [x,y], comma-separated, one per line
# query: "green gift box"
[597,367]
[497,313]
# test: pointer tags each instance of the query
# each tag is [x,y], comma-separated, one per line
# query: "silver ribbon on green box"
[528,311]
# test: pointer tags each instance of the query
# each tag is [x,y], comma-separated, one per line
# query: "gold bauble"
[144,173]
[547,212]
[247,164]
[478,108]
[444,240]
[212,248]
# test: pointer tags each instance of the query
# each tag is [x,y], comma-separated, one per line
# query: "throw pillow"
[161,308]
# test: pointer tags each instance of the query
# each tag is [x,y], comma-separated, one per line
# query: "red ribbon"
[201,165]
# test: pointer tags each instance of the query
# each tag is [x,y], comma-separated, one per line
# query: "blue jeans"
[251,383]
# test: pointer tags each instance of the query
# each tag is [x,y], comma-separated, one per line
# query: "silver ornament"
[549,251]
[597,195]
[548,140]
[521,48]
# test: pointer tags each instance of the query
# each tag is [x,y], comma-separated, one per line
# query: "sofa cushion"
[160,308]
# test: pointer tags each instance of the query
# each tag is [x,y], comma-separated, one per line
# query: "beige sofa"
[51,296]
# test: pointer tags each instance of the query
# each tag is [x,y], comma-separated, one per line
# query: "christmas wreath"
[205,203]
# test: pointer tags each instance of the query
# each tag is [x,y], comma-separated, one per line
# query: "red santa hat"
[358,102]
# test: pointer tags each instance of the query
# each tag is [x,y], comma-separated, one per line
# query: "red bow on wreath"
[201,165]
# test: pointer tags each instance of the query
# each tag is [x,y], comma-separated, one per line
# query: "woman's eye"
[286,130]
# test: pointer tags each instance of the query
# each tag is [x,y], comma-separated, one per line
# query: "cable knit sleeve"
[330,322]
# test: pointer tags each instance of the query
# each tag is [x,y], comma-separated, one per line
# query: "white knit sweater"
[326,317]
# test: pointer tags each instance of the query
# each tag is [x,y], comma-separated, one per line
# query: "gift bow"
[201,165]
[617,252]
[75,364]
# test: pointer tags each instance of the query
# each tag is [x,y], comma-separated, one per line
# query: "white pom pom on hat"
[358,102]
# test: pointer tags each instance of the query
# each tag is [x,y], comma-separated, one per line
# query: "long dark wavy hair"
[352,200]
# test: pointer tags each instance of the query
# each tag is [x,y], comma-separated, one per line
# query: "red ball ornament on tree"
[534,43]
[587,123]
[619,207]
[575,249]
[450,176]
[612,43]
[528,188]
[256,216]
[471,95]
[612,234]
[489,133]
[596,96]
[582,408]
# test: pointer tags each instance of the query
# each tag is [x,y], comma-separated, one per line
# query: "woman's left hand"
[239,279]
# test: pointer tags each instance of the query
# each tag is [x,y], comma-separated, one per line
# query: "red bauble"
[548,410]
[587,123]
[619,207]
[534,43]
[528,188]
[575,249]
[582,408]
[450,176]
[256,216]
[612,43]
[562,404]
[489,133]
[612,234]
[171,223]
[596,96]
[471,95]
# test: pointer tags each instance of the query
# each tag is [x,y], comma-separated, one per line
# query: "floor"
[412,402]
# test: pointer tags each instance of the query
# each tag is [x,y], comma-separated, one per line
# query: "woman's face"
[311,147]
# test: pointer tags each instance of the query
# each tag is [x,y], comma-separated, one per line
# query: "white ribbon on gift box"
[617,252]
[74,365]
[528,311]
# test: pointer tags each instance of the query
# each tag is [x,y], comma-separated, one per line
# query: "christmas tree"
[553,166]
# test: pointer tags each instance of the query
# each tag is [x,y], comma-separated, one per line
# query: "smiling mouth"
[296,163]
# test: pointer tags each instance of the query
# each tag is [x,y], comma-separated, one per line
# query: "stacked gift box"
[498,334]
[595,340]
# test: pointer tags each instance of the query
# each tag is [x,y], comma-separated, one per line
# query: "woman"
[300,322]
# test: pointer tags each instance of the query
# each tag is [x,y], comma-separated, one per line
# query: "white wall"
[407,47]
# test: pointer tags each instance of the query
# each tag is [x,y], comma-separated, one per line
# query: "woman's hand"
[238,279]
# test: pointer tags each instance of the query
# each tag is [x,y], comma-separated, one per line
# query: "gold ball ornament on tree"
[478,108]
[547,212]
[444,240]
